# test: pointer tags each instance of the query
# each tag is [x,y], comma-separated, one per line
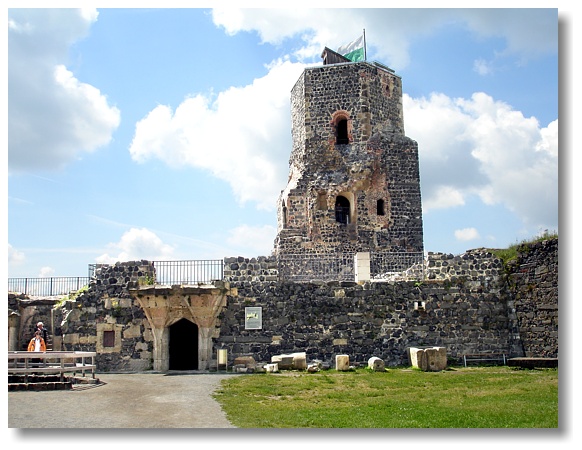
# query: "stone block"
[285,362]
[428,359]
[270,368]
[376,364]
[247,361]
[342,362]
[296,361]
[299,361]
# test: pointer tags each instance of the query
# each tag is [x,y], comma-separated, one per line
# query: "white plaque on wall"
[253,318]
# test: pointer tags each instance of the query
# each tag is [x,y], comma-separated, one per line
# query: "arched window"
[342,126]
[380,207]
[342,210]
[342,132]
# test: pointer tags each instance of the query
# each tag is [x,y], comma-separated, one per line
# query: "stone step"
[41,386]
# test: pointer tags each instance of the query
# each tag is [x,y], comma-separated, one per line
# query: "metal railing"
[193,271]
[46,286]
[188,271]
[340,266]
[292,267]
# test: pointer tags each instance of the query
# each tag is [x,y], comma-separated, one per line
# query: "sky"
[165,133]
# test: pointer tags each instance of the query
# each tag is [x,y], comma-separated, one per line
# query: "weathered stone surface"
[270,368]
[431,359]
[376,364]
[354,188]
[247,361]
[291,361]
[342,362]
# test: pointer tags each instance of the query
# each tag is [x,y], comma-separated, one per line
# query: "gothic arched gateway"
[177,313]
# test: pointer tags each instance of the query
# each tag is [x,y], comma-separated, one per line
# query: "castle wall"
[463,305]
[467,303]
[106,306]
[533,284]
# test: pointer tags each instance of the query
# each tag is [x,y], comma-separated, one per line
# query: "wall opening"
[342,127]
[342,210]
[183,351]
[380,207]
[284,211]
[342,132]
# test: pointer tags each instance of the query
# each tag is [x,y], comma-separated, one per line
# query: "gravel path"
[144,400]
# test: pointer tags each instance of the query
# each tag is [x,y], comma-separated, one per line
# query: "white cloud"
[526,32]
[482,67]
[15,257]
[241,136]
[137,244]
[442,197]
[467,234]
[259,240]
[52,117]
[480,146]
[46,272]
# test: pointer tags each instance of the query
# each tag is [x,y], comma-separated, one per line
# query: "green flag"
[354,51]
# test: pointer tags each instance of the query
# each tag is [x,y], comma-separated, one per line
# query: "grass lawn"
[478,397]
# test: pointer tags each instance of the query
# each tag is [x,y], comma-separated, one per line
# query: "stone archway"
[167,305]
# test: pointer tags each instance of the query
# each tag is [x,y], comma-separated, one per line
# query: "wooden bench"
[485,357]
[51,363]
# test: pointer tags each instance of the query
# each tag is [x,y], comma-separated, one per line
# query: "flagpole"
[365,54]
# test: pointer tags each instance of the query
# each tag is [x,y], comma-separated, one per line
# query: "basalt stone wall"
[379,319]
[242,270]
[467,303]
[533,282]
[83,322]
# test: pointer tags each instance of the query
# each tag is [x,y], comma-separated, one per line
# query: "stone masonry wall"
[106,306]
[533,283]
[467,303]
[375,165]
[462,305]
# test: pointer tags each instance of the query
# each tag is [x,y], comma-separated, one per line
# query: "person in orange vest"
[37,343]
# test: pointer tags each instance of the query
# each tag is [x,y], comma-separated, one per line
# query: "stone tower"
[354,182]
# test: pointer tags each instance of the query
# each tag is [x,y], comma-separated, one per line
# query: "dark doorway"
[183,345]
[342,209]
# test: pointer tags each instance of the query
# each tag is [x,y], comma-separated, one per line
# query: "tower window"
[284,210]
[342,126]
[380,207]
[342,132]
[342,210]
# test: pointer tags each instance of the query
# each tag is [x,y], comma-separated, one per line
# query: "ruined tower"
[354,182]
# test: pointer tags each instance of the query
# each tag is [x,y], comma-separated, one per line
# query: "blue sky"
[164,134]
